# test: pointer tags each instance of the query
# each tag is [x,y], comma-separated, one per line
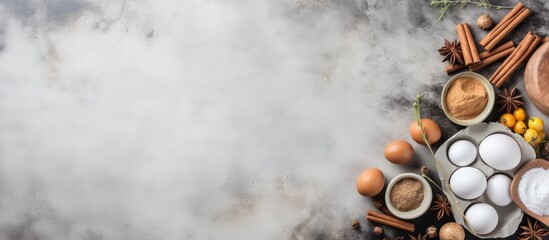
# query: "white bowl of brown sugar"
[408,196]
[467,98]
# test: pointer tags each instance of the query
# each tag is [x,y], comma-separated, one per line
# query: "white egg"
[462,153]
[468,183]
[500,151]
[498,189]
[482,217]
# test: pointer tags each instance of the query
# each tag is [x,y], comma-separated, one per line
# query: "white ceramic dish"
[487,110]
[425,204]
[510,215]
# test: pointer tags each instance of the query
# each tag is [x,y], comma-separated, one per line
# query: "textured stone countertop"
[214,119]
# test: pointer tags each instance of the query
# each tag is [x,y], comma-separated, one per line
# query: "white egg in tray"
[479,163]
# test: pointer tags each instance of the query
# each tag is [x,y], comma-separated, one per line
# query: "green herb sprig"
[445,5]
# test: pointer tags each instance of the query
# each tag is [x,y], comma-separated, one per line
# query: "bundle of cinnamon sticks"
[486,58]
[492,56]
[505,26]
[525,48]
[468,46]
[390,221]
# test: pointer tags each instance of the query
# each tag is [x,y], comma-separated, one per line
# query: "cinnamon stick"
[524,57]
[500,48]
[452,68]
[492,59]
[381,206]
[467,58]
[472,44]
[484,56]
[389,223]
[505,26]
[389,218]
[515,55]
[525,48]
[468,47]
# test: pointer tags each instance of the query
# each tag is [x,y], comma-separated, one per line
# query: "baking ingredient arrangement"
[488,175]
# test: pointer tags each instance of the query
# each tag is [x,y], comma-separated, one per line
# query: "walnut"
[485,22]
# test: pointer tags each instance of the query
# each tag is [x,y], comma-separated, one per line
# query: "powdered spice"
[466,98]
[407,194]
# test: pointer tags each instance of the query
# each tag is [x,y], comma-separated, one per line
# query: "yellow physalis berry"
[507,120]
[520,127]
[519,114]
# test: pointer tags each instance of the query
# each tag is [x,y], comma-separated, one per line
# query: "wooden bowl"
[514,188]
[536,78]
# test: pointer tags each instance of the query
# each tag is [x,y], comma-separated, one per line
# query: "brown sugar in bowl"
[487,108]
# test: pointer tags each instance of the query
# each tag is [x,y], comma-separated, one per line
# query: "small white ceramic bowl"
[425,204]
[489,105]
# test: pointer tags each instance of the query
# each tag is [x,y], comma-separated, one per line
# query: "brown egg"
[431,129]
[399,152]
[370,182]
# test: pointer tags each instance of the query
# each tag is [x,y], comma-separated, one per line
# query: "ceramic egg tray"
[510,216]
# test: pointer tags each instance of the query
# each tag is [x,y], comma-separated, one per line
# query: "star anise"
[441,205]
[510,100]
[419,237]
[533,231]
[451,52]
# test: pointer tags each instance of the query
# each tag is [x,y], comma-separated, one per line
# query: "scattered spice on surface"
[378,230]
[424,170]
[441,205]
[451,52]
[378,204]
[510,100]
[533,231]
[355,224]
[407,194]
[419,237]
[432,232]
[466,98]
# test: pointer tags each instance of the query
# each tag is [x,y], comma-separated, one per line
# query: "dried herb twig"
[449,194]
[445,5]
